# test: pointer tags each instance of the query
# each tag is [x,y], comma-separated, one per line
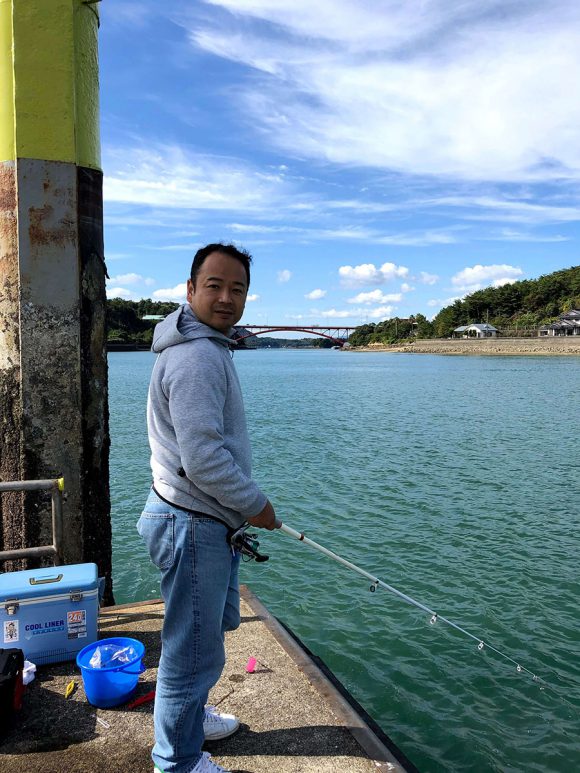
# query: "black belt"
[195,513]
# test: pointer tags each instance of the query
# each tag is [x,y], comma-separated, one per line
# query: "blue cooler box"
[50,613]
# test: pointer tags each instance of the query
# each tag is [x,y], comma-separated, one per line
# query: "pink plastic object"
[251,665]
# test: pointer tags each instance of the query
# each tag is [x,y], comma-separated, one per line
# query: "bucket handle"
[129,671]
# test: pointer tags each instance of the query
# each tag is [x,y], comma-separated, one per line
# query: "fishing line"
[434,616]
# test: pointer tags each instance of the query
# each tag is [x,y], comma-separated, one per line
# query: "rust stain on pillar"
[13,525]
[50,340]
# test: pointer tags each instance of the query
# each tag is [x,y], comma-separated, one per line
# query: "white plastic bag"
[107,655]
[28,672]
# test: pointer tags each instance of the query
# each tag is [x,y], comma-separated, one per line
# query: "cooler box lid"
[48,581]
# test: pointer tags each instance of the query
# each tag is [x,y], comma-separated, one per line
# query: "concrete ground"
[293,719]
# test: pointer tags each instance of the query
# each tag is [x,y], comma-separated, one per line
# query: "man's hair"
[226,249]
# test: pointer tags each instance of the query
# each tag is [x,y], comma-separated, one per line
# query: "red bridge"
[338,335]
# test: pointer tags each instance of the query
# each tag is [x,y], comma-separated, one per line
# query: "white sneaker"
[205,765]
[216,726]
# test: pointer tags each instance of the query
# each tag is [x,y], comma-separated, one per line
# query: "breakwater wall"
[548,345]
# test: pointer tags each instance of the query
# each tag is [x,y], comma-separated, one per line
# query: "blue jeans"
[199,585]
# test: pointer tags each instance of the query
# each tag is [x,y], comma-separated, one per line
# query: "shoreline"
[499,347]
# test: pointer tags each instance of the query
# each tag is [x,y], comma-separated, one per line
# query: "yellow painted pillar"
[49,81]
[53,374]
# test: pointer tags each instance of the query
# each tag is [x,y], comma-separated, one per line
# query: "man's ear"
[190,290]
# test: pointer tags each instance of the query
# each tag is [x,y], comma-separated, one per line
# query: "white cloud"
[284,275]
[336,314]
[375,296]
[417,239]
[168,176]
[341,73]
[261,229]
[354,233]
[127,14]
[117,217]
[381,312]
[368,273]
[478,276]
[406,288]
[119,292]
[344,21]
[503,281]
[184,246]
[177,293]
[252,298]
[428,279]
[315,295]
[511,235]
[131,279]
[438,303]
[116,255]
[508,209]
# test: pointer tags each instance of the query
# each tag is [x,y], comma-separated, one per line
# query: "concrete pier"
[293,718]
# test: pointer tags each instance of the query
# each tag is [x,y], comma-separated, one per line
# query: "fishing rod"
[248,545]
[376,583]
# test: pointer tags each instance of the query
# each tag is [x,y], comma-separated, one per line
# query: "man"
[202,489]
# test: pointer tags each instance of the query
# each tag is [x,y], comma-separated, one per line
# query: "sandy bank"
[548,346]
[381,348]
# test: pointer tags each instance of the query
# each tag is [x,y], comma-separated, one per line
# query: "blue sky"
[377,158]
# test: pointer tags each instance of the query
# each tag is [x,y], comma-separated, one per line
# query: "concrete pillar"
[53,367]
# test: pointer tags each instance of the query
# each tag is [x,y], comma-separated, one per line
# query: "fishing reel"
[246,544]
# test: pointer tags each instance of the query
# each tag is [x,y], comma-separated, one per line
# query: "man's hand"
[266,518]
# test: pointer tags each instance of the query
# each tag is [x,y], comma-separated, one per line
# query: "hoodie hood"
[182,325]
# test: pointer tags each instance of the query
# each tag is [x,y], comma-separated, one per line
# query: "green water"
[455,479]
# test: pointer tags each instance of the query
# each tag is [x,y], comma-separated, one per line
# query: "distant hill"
[515,309]
[267,342]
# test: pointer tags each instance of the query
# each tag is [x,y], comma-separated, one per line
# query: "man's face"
[219,295]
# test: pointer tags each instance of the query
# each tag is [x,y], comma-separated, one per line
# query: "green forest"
[516,309]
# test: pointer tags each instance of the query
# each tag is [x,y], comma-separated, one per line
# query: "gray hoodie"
[200,450]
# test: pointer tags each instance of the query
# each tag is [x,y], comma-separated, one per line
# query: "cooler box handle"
[45,580]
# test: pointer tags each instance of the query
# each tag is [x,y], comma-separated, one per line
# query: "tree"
[424,327]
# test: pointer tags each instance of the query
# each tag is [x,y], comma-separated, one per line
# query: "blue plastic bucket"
[111,685]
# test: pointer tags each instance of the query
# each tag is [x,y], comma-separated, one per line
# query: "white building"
[567,325]
[483,330]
